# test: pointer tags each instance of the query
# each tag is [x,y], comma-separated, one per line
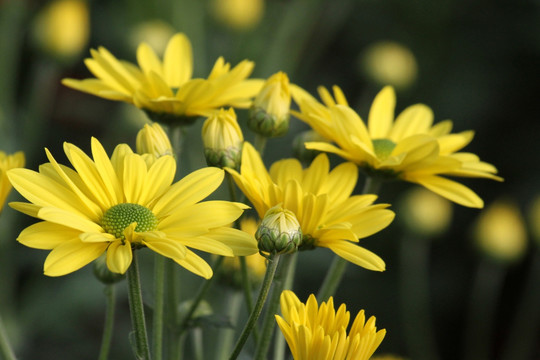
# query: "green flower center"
[120,216]
[383,148]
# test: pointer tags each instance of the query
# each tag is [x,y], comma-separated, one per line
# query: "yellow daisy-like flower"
[115,205]
[320,333]
[8,162]
[410,148]
[321,200]
[165,89]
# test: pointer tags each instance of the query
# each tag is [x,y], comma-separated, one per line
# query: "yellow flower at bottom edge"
[409,148]
[321,200]
[8,162]
[316,332]
[165,89]
[118,204]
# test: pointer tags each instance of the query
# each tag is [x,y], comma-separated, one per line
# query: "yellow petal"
[178,61]
[148,60]
[45,235]
[455,142]
[169,248]
[106,171]
[134,177]
[158,180]
[451,190]
[119,256]
[68,219]
[96,237]
[416,119]
[341,182]
[240,242]
[381,114]
[283,170]
[195,264]
[314,177]
[71,256]
[355,254]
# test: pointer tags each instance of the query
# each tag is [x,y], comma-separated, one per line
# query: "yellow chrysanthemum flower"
[8,162]
[114,205]
[409,148]
[165,89]
[314,332]
[321,200]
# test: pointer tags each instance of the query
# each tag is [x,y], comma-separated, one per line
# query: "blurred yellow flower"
[389,63]
[223,139]
[156,33]
[62,28]
[320,332]
[153,140]
[8,162]
[425,213]
[165,89]
[116,205]
[238,14]
[410,148]
[500,231]
[321,200]
[270,112]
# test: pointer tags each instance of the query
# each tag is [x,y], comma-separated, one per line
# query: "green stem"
[273,261]
[284,275]
[260,143]
[170,307]
[414,294]
[136,308]
[226,334]
[159,300]
[110,296]
[5,348]
[337,268]
[522,336]
[483,303]
[203,289]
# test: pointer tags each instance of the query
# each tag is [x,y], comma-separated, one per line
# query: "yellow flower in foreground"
[116,205]
[165,89]
[321,200]
[314,332]
[409,148]
[8,162]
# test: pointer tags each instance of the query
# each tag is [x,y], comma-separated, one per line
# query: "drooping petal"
[195,264]
[355,254]
[451,190]
[71,256]
[240,242]
[119,256]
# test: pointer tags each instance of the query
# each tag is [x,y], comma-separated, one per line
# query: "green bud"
[279,232]
[266,124]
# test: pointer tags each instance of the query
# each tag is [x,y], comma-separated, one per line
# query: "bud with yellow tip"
[152,139]
[500,231]
[269,114]
[222,139]
[279,232]
[8,162]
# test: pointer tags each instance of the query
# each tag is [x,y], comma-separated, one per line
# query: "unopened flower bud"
[269,114]
[222,139]
[153,140]
[102,272]
[279,232]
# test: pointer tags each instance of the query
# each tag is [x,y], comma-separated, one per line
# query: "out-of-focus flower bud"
[153,140]
[222,139]
[300,152]
[500,231]
[389,63]
[155,33]
[238,14]
[102,272]
[62,28]
[279,232]
[7,162]
[425,213]
[269,115]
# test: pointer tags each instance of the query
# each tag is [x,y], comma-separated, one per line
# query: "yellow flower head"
[153,140]
[62,28]
[410,148]
[500,231]
[320,332]
[165,89]
[8,162]
[321,200]
[222,139]
[269,114]
[118,204]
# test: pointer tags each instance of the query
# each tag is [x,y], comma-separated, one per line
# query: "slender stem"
[279,345]
[273,261]
[159,300]
[6,351]
[203,289]
[483,302]
[170,307]
[414,295]
[110,297]
[137,311]
[522,337]
[197,341]
[280,280]
[337,268]
[260,143]
[226,335]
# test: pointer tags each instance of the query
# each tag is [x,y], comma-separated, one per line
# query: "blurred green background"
[475,62]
